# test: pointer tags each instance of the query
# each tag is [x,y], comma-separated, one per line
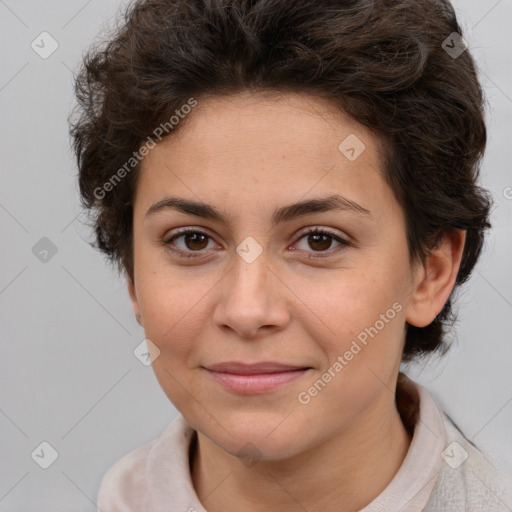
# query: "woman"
[290,189]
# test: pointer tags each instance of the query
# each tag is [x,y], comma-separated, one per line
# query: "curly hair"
[385,63]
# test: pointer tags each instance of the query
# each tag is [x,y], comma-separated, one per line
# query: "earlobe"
[436,280]
[135,303]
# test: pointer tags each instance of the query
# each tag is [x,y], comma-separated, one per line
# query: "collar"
[409,491]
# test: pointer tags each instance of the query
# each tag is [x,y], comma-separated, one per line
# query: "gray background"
[68,373]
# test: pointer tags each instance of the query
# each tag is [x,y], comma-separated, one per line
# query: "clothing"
[442,470]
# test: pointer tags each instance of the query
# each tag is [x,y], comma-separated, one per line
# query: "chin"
[251,449]
[255,437]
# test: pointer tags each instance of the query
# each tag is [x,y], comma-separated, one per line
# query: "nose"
[252,300]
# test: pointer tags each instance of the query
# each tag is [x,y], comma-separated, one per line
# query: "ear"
[135,302]
[435,280]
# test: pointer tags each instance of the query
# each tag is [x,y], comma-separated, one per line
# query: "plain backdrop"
[69,377]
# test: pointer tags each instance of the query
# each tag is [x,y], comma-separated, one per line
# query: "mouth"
[255,378]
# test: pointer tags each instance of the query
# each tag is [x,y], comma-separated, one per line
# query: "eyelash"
[312,230]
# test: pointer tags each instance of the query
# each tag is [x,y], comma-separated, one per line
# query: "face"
[319,296]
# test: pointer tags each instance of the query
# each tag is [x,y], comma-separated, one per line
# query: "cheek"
[357,321]
[172,322]
[361,356]
[171,313]
[346,304]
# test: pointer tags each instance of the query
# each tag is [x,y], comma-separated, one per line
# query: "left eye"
[321,240]
[195,241]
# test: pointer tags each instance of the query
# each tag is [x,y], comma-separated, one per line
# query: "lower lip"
[256,383]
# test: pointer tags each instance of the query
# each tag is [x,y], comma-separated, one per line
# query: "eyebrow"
[282,214]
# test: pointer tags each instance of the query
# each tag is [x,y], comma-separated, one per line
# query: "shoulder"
[125,486]
[468,479]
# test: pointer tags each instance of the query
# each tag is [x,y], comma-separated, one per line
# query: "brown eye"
[320,241]
[194,241]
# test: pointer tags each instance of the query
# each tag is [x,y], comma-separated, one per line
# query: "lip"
[253,368]
[255,378]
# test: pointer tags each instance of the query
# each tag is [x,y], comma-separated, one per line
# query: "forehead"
[270,123]
[248,149]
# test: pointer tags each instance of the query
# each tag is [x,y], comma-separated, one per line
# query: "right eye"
[193,239]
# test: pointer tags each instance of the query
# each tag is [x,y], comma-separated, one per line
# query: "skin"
[248,154]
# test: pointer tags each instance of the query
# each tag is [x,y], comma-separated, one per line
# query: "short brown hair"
[383,62]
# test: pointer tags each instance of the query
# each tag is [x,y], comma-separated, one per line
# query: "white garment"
[435,475]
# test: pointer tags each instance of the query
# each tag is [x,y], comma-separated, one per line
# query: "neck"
[345,473]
